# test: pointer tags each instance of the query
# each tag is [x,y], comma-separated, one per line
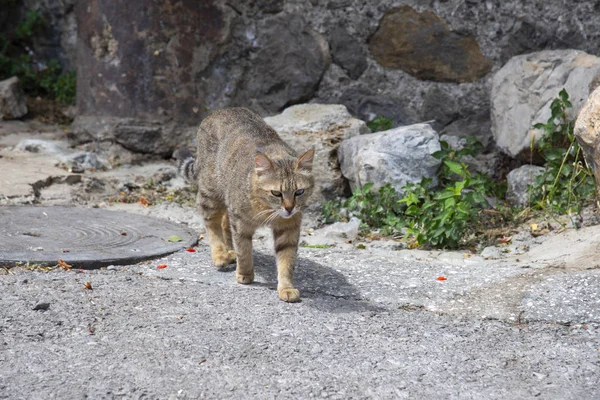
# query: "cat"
[248,177]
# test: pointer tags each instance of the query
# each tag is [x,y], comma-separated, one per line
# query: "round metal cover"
[85,237]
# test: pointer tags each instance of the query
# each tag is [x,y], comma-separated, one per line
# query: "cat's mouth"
[286,214]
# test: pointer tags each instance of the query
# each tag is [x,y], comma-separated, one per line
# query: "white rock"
[491,253]
[397,156]
[342,230]
[524,88]
[48,147]
[518,181]
[13,103]
[324,127]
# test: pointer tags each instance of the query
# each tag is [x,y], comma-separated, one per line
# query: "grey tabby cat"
[248,177]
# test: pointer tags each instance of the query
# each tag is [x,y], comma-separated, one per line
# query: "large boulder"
[423,45]
[587,132]
[290,59]
[518,182]
[324,127]
[146,72]
[13,103]
[524,88]
[397,156]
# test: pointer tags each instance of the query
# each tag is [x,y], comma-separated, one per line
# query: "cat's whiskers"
[270,218]
[263,212]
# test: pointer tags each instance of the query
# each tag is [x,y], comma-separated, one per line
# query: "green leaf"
[316,246]
[454,167]
[174,238]
[447,193]
[366,188]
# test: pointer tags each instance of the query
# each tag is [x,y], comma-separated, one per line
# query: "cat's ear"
[305,161]
[262,164]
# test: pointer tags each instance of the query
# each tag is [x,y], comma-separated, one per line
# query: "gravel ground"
[188,331]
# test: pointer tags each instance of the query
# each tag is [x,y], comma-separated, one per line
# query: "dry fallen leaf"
[467,255]
[504,239]
[87,286]
[442,278]
[190,250]
[64,265]
[534,227]
[162,266]
[144,201]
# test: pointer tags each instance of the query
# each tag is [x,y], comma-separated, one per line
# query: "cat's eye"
[276,193]
[299,192]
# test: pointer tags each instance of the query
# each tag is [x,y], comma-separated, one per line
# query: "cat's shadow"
[320,286]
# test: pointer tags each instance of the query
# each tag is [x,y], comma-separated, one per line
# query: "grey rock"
[398,156]
[524,88]
[139,73]
[518,181]
[151,135]
[587,131]
[347,52]
[41,306]
[477,125]
[40,146]
[440,106]
[342,230]
[324,127]
[491,253]
[13,103]
[84,160]
[287,67]
[367,105]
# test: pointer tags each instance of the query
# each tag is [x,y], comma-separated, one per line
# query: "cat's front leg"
[286,239]
[242,242]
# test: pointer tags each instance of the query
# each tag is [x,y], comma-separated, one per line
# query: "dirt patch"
[49,111]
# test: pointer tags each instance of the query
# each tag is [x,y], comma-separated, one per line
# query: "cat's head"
[284,185]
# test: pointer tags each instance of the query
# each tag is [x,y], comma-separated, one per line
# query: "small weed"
[567,183]
[316,246]
[379,124]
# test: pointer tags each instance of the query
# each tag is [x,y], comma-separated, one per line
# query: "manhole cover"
[85,237]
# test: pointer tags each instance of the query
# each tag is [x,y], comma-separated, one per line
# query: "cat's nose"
[288,209]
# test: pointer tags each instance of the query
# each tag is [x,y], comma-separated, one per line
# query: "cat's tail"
[186,164]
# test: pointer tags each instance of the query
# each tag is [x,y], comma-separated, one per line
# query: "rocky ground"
[376,320]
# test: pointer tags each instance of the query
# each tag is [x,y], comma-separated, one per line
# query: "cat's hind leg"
[213,213]
[227,239]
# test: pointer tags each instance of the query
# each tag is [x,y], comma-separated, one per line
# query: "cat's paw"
[244,278]
[289,295]
[222,258]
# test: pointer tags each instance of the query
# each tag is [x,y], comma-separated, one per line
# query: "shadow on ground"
[320,286]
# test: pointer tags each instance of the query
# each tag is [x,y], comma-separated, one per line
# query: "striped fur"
[186,165]
[248,177]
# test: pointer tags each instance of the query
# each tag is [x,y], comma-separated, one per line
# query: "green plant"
[38,78]
[567,183]
[376,209]
[443,218]
[439,217]
[379,124]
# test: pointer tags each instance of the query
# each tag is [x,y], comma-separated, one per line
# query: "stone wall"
[413,61]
